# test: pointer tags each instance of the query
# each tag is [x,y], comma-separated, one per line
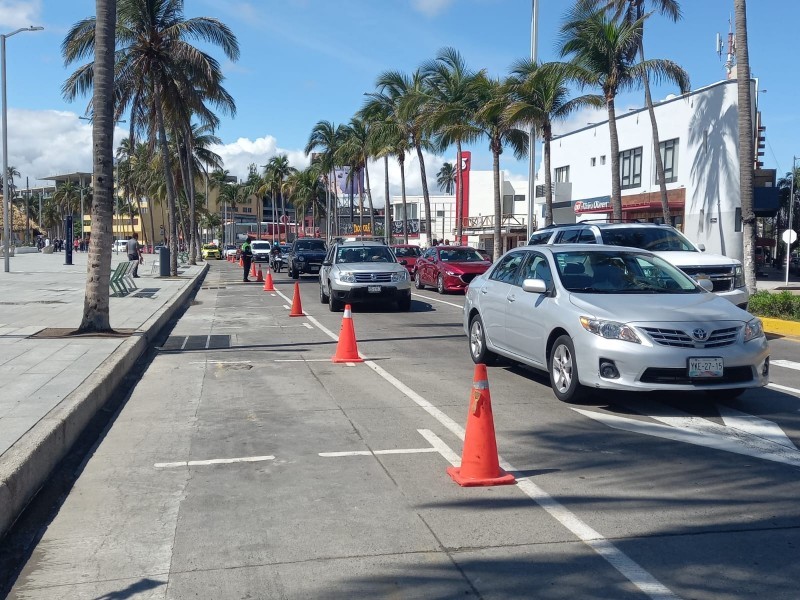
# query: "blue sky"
[307,60]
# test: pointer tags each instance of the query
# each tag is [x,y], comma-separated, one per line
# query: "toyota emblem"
[700,335]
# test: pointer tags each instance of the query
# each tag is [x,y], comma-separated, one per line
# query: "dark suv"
[306,257]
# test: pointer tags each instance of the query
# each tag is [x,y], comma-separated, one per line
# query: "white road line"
[442,448]
[185,341]
[783,388]
[786,364]
[286,306]
[378,452]
[629,568]
[437,300]
[302,360]
[308,325]
[219,362]
[215,461]
[208,341]
[754,426]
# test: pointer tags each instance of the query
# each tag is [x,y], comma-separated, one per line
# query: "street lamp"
[6,200]
[532,131]
[789,230]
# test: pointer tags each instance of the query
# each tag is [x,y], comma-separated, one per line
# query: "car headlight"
[400,276]
[346,277]
[610,330]
[451,273]
[753,329]
[301,258]
[738,276]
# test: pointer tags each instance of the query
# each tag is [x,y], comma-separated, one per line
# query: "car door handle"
[484,291]
[511,298]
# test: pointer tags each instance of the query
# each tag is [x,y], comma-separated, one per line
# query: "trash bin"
[163,261]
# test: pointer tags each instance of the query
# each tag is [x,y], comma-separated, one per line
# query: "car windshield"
[259,245]
[210,247]
[621,273]
[364,254]
[311,245]
[654,239]
[460,255]
[407,252]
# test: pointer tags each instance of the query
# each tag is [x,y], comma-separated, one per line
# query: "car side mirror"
[534,286]
[702,247]
[706,284]
[326,263]
[403,262]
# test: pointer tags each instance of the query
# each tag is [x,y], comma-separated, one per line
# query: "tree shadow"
[133,589]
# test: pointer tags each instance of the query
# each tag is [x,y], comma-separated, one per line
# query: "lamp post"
[6,200]
[532,132]
[789,230]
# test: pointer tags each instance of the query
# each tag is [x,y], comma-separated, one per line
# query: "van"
[121,246]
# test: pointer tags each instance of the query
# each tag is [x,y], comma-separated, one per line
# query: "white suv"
[363,272]
[726,274]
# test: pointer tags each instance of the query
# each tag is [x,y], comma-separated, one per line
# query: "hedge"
[783,305]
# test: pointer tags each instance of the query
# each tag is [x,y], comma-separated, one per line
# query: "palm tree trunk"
[195,251]
[460,199]
[171,200]
[387,213]
[426,197]
[616,195]
[498,205]
[402,160]
[369,201]
[186,220]
[662,184]
[547,134]
[746,143]
[98,272]
[360,205]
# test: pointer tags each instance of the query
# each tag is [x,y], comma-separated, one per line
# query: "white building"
[699,136]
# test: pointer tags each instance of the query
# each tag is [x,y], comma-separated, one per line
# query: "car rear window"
[311,245]
[654,239]
[407,252]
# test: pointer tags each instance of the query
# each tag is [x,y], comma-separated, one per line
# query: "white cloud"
[239,155]
[19,13]
[431,8]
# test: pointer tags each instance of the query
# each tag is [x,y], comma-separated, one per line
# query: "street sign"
[285,219]
[789,236]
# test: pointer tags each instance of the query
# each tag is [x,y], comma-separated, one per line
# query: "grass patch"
[783,305]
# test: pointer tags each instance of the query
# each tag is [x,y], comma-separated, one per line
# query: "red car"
[449,268]
[408,253]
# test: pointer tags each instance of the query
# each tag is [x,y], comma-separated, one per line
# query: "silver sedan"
[605,317]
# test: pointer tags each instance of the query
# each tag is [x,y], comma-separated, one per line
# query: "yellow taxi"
[210,251]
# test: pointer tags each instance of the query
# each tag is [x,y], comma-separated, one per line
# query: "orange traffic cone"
[347,349]
[259,275]
[269,286]
[241,262]
[297,306]
[479,462]
[253,270]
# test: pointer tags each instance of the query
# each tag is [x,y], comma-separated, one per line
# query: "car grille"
[676,338]
[722,278]
[467,277]
[373,277]
[680,377]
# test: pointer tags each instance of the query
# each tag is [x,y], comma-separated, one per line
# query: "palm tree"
[11,173]
[324,138]
[67,198]
[540,97]
[446,178]
[494,100]
[633,10]
[746,143]
[601,48]
[378,113]
[276,172]
[160,76]
[355,149]
[450,107]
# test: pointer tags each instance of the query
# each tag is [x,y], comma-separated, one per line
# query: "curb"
[28,463]
[781,327]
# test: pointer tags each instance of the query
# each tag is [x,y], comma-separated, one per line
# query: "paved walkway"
[36,374]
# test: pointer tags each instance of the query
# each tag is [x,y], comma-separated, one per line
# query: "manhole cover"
[178,343]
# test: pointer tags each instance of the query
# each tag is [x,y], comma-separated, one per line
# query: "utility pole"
[532,131]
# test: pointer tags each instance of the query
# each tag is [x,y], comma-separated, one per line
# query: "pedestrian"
[247,257]
[446,242]
[434,242]
[135,253]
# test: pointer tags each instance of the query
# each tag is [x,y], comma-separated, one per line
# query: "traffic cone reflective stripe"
[347,348]
[259,275]
[297,306]
[269,285]
[480,465]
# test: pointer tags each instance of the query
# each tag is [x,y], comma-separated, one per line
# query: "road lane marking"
[755,426]
[378,452]
[287,307]
[786,364]
[215,461]
[308,325]
[302,360]
[629,568]
[219,362]
[461,306]
[440,446]
[783,388]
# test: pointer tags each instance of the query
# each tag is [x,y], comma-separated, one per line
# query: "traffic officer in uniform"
[247,257]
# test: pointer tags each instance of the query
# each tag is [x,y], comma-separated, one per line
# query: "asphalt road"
[623,496]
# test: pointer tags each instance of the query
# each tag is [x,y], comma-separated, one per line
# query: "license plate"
[705,367]
[374,289]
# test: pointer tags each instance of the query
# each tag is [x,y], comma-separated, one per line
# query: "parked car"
[409,253]
[363,272]
[208,251]
[449,268]
[230,250]
[485,254]
[120,245]
[305,257]
[260,250]
[608,317]
[726,274]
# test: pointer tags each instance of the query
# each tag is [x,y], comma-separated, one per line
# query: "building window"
[630,168]
[519,197]
[669,156]
[602,159]
[540,191]
[593,161]
[738,220]
[562,175]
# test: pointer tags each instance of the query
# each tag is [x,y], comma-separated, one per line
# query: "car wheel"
[563,370]
[720,395]
[323,297]
[477,343]
[440,285]
[334,305]
[404,304]
[418,281]
[295,274]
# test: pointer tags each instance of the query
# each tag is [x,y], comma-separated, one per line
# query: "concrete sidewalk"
[51,387]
